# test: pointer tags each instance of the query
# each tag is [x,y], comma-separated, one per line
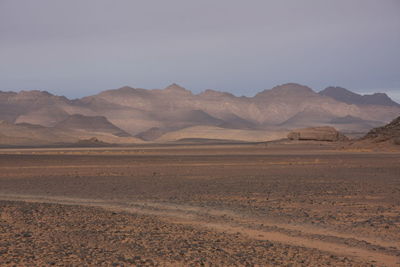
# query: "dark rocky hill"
[390,132]
[346,96]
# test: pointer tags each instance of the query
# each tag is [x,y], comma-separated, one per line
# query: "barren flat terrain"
[194,205]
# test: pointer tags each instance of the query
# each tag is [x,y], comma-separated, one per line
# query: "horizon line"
[390,92]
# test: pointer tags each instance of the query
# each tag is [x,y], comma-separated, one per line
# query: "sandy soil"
[183,205]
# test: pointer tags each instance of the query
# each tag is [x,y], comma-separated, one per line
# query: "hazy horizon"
[78,48]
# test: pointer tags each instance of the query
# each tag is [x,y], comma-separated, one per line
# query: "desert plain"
[227,204]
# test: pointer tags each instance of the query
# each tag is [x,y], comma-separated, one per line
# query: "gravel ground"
[34,234]
[312,205]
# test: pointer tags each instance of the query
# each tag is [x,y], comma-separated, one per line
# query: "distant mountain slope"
[235,122]
[90,124]
[217,133]
[48,115]
[38,107]
[346,96]
[152,134]
[287,91]
[25,134]
[185,118]
[310,116]
[151,114]
[161,108]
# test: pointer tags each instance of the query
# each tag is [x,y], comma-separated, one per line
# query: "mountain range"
[134,115]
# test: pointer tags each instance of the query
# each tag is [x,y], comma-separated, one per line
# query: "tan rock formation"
[324,133]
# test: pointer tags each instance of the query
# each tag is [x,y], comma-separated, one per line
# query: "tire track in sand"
[232,224]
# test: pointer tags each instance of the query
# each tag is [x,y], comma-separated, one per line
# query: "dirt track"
[268,205]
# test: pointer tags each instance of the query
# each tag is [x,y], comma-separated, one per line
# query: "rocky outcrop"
[389,132]
[324,133]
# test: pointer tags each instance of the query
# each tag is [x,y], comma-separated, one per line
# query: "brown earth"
[191,205]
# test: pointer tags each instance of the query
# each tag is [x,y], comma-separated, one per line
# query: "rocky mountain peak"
[287,89]
[214,93]
[125,88]
[175,88]
[347,96]
[33,94]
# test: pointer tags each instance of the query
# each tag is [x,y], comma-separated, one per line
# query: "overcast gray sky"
[80,47]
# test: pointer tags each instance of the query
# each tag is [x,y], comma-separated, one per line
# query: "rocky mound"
[388,133]
[324,133]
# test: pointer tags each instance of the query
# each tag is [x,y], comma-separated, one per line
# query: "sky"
[81,47]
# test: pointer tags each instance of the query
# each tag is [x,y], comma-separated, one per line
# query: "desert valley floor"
[200,205]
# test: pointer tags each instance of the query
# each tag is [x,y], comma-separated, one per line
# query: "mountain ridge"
[347,96]
[155,112]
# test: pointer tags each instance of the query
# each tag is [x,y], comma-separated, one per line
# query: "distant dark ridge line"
[175,86]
